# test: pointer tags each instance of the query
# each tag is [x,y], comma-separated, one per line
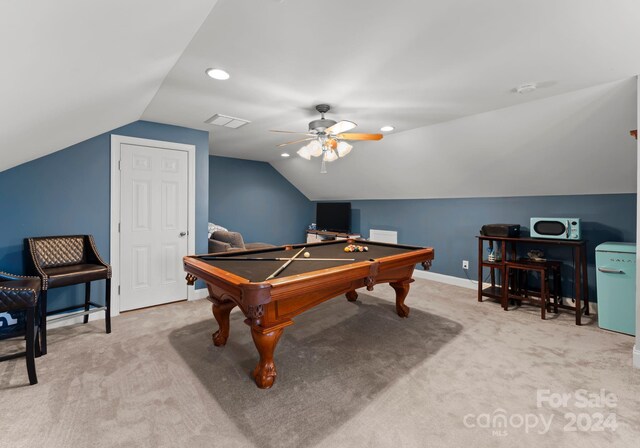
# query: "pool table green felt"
[259,270]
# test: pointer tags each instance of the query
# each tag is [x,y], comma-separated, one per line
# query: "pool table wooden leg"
[352,296]
[402,289]
[221,311]
[265,341]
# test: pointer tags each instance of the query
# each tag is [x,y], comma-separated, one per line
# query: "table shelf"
[492,264]
[507,246]
[494,292]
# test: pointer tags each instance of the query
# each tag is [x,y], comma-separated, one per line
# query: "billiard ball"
[306,255]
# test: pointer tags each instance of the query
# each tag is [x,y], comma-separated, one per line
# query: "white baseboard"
[593,306]
[472,284]
[636,356]
[193,295]
[448,279]
[199,294]
[75,320]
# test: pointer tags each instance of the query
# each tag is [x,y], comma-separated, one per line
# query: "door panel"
[170,265]
[154,223]
[140,267]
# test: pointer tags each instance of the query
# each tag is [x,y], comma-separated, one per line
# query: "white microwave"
[556,228]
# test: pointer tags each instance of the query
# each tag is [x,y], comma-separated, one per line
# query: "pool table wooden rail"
[269,306]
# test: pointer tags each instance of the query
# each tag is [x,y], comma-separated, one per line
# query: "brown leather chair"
[69,260]
[19,293]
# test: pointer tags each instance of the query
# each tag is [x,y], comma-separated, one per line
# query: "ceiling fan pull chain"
[323,167]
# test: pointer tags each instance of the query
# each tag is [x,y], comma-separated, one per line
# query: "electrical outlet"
[465,264]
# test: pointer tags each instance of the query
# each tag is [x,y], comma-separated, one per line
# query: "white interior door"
[153,225]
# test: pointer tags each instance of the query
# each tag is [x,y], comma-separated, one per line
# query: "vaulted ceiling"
[77,70]
[74,69]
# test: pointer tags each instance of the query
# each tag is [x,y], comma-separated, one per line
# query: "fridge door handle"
[611,271]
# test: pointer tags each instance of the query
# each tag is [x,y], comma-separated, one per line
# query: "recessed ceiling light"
[217,73]
[387,128]
[526,88]
[285,154]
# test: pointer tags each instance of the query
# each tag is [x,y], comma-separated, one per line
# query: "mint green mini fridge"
[616,283]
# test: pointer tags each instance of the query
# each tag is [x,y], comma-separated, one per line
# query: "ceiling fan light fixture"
[304,152]
[328,138]
[344,148]
[217,73]
[330,156]
[315,148]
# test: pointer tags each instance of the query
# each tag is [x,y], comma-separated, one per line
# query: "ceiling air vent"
[227,122]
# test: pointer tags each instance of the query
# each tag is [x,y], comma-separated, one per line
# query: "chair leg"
[558,287]
[107,298]
[37,342]
[31,364]
[543,294]
[43,322]
[504,301]
[87,299]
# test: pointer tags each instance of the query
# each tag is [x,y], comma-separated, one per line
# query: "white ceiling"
[569,144]
[74,69]
[405,63]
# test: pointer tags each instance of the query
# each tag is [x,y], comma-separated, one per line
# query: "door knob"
[183,234]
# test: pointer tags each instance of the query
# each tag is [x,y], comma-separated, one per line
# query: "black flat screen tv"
[333,216]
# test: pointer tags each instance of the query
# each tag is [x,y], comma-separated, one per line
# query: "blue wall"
[450,225]
[254,199]
[67,192]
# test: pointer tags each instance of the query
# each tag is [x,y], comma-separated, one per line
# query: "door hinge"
[118,227]
[119,165]
[118,289]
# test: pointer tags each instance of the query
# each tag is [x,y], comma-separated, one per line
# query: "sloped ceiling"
[75,69]
[407,63]
[574,143]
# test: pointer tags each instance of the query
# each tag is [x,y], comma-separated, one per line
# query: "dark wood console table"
[508,249]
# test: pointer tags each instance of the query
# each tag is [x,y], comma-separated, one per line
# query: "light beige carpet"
[456,373]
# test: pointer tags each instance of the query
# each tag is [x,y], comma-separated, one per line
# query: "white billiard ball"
[307,255]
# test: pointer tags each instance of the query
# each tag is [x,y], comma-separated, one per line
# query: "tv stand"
[316,236]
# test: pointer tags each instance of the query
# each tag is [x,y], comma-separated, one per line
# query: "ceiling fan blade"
[340,127]
[295,141]
[352,136]
[292,132]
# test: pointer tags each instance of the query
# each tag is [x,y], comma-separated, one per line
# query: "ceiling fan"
[327,138]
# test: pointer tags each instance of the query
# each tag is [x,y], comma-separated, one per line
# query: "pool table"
[270,305]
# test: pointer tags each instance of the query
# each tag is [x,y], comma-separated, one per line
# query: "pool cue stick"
[281,268]
[276,259]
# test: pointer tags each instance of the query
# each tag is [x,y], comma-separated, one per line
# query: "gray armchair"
[224,241]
